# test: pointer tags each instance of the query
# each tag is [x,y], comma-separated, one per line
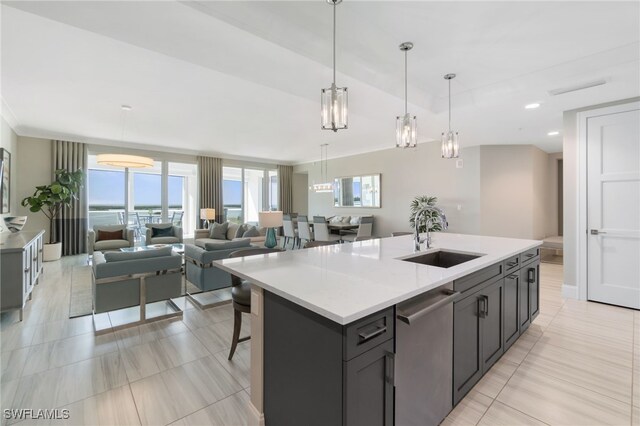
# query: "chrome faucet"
[440,218]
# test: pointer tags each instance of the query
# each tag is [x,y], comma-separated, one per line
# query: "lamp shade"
[122,160]
[270,219]
[207,214]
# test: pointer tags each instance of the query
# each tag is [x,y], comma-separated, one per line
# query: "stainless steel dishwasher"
[424,358]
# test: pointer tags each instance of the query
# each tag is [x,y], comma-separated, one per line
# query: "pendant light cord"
[405,82]
[334,43]
[124,121]
[449,105]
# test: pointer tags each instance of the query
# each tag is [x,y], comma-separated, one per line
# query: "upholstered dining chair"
[241,295]
[364,230]
[304,230]
[289,231]
[321,230]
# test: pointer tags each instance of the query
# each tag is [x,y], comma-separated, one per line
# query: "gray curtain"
[210,178]
[71,225]
[285,188]
[347,192]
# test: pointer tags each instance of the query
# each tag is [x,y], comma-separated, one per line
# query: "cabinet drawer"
[368,332]
[530,255]
[512,264]
[466,283]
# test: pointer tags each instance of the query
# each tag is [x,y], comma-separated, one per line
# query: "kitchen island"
[335,328]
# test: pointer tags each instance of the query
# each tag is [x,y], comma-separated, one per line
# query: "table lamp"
[207,215]
[270,220]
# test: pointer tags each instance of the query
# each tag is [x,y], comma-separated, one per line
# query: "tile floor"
[578,364]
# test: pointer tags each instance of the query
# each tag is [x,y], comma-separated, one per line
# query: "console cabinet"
[21,263]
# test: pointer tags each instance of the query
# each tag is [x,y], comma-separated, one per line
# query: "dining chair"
[241,295]
[304,230]
[321,230]
[364,230]
[289,231]
[312,244]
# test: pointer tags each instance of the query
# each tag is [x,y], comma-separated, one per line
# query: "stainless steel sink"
[442,258]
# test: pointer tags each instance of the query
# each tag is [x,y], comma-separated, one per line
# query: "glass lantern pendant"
[450,145]
[407,125]
[333,113]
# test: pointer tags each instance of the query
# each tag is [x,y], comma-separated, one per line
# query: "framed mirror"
[357,191]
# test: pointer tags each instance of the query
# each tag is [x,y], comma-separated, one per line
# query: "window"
[248,191]
[106,194]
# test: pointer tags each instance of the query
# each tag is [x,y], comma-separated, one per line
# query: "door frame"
[581,225]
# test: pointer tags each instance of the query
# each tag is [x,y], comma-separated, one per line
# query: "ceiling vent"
[580,86]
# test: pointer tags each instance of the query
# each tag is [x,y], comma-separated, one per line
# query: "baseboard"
[569,291]
[258,416]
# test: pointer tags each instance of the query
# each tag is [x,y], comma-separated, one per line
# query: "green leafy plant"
[417,204]
[51,199]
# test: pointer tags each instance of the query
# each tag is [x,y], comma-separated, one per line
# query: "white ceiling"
[243,78]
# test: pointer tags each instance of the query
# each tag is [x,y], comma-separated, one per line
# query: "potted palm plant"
[50,200]
[417,204]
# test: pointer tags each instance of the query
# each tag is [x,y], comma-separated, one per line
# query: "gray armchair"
[201,270]
[174,238]
[95,244]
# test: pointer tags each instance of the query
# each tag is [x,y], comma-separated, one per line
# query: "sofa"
[233,231]
[95,243]
[117,275]
[200,269]
[165,233]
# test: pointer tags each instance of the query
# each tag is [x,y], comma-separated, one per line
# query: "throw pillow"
[355,220]
[241,230]
[251,232]
[161,232]
[218,231]
[336,219]
[110,235]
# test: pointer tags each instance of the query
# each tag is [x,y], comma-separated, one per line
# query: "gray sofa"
[200,269]
[202,236]
[174,239]
[116,277]
[107,245]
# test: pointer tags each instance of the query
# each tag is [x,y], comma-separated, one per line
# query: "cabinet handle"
[531,275]
[368,336]
[529,255]
[512,277]
[486,305]
[482,310]
[390,368]
[512,264]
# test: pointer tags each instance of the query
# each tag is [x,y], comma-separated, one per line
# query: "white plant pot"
[52,252]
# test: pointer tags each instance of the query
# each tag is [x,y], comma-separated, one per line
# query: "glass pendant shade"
[333,111]
[450,146]
[406,131]
[323,187]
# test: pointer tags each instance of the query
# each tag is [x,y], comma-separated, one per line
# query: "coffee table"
[177,247]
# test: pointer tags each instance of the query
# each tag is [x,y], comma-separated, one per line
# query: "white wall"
[570,193]
[9,141]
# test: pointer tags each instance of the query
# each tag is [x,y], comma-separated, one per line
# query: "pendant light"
[333,112]
[124,160]
[450,146]
[325,185]
[406,126]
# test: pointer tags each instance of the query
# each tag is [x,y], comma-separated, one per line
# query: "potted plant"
[50,200]
[417,204]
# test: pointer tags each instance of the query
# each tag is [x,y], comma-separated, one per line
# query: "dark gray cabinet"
[317,372]
[492,324]
[511,302]
[529,297]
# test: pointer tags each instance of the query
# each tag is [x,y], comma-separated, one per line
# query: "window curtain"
[70,227]
[347,192]
[285,188]
[210,179]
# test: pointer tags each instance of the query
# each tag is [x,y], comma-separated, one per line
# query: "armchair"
[174,235]
[200,268]
[96,244]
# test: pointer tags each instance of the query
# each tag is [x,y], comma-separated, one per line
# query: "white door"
[613,215]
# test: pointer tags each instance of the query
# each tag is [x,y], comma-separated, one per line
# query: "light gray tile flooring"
[579,363]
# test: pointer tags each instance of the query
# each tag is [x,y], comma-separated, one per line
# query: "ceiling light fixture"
[553,133]
[406,126]
[450,145]
[325,186]
[124,160]
[532,106]
[333,112]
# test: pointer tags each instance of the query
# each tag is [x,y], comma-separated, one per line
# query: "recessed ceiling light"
[126,107]
[553,133]
[532,106]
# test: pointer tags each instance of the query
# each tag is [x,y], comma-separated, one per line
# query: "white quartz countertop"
[346,282]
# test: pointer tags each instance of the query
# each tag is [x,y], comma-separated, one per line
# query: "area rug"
[81,296]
